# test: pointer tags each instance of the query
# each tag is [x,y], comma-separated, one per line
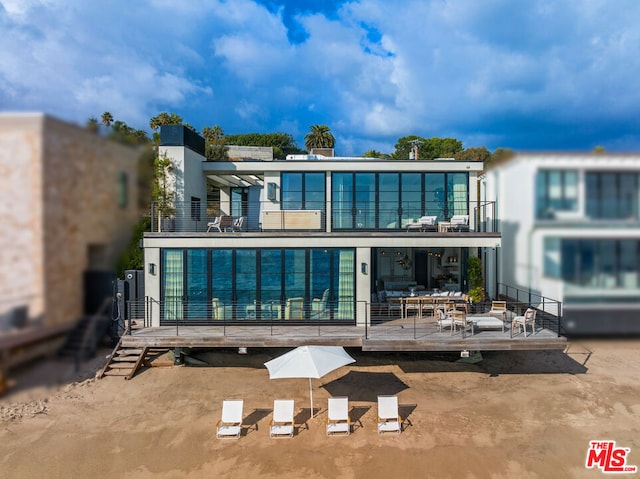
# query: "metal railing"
[548,310]
[187,217]
[360,318]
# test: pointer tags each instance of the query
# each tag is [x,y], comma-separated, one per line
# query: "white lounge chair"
[338,421]
[388,418]
[230,425]
[425,223]
[529,317]
[282,423]
[214,224]
[460,223]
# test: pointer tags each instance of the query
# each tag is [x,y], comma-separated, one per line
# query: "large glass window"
[411,197]
[391,200]
[388,205]
[342,200]
[172,266]
[303,191]
[201,285]
[612,195]
[365,197]
[556,190]
[599,263]
[196,276]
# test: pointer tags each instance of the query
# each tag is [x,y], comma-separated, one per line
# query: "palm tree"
[319,137]
[107,119]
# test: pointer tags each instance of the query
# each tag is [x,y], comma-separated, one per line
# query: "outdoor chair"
[388,418]
[319,306]
[237,223]
[529,317]
[499,309]
[459,223]
[425,223]
[461,322]
[338,421]
[444,320]
[294,308]
[230,425]
[214,224]
[282,426]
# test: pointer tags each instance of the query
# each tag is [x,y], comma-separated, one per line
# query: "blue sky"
[529,75]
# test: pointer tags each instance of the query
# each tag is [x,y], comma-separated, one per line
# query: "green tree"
[164,118]
[374,154]
[107,119]
[474,154]
[320,136]
[428,148]
[500,155]
[162,191]
[215,143]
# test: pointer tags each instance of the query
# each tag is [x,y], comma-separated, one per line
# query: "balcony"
[335,218]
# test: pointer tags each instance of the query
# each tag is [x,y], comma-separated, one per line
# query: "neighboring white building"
[570,225]
[320,238]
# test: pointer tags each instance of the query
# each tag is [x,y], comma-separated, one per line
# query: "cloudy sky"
[529,75]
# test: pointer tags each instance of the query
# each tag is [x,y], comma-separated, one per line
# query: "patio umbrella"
[308,362]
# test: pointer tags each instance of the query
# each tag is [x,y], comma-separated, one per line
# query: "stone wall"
[67,216]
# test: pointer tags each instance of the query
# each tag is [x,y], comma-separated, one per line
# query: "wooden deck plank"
[387,337]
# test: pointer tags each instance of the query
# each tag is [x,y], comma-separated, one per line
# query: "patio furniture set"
[226,223]
[282,424]
[430,223]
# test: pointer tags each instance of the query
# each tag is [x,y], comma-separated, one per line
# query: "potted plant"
[474,278]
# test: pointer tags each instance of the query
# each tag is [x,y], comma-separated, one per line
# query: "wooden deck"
[401,335]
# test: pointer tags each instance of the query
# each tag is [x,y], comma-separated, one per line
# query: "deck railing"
[196,216]
[374,320]
[548,310]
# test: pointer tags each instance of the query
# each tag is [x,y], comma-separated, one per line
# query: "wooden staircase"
[124,362]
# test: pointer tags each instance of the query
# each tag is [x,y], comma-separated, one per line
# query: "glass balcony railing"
[408,218]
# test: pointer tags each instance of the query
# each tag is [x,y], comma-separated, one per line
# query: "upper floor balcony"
[409,218]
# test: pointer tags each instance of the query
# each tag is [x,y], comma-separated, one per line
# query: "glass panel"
[388,200]
[434,195]
[587,258]
[221,283]
[570,191]
[270,282]
[291,191]
[314,191]
[173,283]
[552,257]
[344,264]
[592,195]
[342,200]
[457,194]
[541,194]
[245,282]
[411,198]
[628,196]
[629,268]
[295,275]
[607,264]
[197,284]
[365,200]
[608,197]
[570,261]
[320,283]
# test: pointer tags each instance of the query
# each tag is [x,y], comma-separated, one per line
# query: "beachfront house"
[571,231]
[307,238]
[321,249]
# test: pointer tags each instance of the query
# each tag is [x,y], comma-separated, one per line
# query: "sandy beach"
[514,414]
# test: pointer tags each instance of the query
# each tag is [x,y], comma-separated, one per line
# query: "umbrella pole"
[311,396]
